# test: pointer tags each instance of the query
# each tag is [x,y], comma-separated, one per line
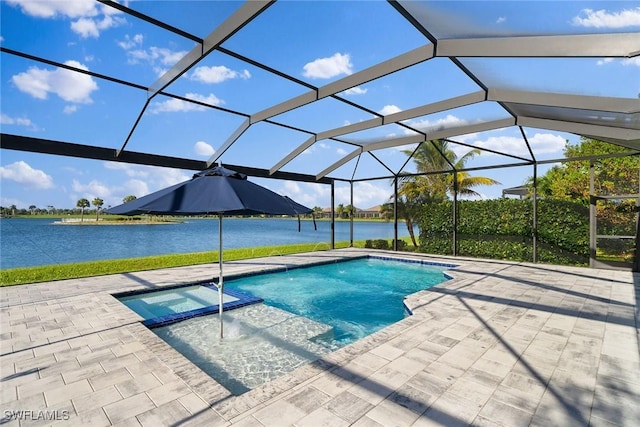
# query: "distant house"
[521,191]
[372,212]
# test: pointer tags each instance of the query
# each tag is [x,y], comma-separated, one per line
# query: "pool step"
[261,343]
[159,308]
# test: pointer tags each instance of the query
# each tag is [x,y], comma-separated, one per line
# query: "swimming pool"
[356,297]
[307,313]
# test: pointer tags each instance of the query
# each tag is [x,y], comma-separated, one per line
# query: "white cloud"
[605,61]
[604,19]
[449,121]
[112,195]
[131,42]
[52,9]
[308,194]
[341,151]
[356,91]
[365,194]
[541,143]
[164,177]
[632,61]
[22,173]
[70,109]
[130,170]
[201,148]
[91,190]
[624,61]
[72,170]
[501,19]
[158,58]
[309,150]
[90,17]
[159,177]
[18,121]
[315,147]
[154,54]
[389,109]
[135,187]
[166,56]
[218,74]
[292,187]
[141,180]
[9,201]
[68,85]
[176,105]
[90,27]
[325,68]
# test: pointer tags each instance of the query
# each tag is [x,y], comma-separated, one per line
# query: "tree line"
[81,206]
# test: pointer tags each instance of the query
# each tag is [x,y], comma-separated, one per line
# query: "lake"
[28,242]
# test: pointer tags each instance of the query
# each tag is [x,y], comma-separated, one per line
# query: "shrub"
[503,229]
[380,244]
[401,245]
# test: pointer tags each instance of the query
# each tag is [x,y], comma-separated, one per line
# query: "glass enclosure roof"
[317,90]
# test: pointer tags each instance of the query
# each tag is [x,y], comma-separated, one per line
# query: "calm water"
[31,242]
[357,298]
[307,313]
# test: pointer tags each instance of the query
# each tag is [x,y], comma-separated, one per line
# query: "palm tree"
[438,156]
[32,208]
[349,211]
[97,202]
[414,192]
[82,203]
[386,210]
[411,197]
[466,182]
[406,211]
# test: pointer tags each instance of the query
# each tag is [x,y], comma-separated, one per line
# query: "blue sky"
[316,42]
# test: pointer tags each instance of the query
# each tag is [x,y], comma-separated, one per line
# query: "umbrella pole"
[220,280]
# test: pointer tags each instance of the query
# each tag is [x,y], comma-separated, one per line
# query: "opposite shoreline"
[100,222]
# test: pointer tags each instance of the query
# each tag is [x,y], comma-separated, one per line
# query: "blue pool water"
[357,298]
[152,305]
[184,302]
[307,313]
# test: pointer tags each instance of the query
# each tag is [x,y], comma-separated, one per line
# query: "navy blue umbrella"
[216,191]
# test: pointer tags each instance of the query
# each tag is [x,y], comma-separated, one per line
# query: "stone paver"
[503,344]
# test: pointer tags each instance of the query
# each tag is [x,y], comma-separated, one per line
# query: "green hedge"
[503,229]
[384,244]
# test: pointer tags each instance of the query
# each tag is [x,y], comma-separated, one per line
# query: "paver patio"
[502,344]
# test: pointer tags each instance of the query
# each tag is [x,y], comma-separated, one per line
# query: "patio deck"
[503,344]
